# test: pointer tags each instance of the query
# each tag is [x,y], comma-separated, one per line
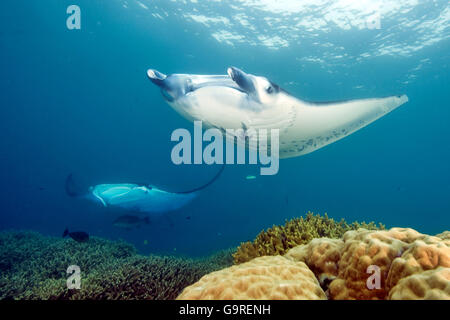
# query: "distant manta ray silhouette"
[143,198]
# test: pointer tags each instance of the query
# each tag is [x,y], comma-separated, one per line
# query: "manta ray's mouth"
[167,96]
[227,84]
[176,86]
[189,91]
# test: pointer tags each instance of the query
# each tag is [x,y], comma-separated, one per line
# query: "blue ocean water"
[80,101]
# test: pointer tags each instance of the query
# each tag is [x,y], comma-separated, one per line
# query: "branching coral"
[279,239]
[31,259]
[34,267]
[134,278]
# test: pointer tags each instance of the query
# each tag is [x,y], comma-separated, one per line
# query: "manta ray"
[239,100]
[136,197]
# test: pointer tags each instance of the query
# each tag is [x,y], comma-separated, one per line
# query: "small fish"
[145,242]
[188,218]
[78,236]
[250,177]
[129,222]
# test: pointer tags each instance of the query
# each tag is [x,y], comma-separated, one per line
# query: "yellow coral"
[363,248]
[426,254]
[321,256]
[429,285]
[410,265]
[271,277]
[279,239]
[444,235]
[398,253]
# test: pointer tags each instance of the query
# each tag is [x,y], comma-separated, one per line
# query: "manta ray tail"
[206,184]
[72,189]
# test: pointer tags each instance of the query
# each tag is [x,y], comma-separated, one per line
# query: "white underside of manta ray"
[244,101]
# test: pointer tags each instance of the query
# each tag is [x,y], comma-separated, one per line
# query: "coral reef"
[279,239]
[427,253]
[429,285]
[444,235]
[399,263]
[321,255]
[262,278]
[398,253]
[34,267]
[408,265]
[361,249]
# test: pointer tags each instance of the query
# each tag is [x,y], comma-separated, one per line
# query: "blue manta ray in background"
[134,197]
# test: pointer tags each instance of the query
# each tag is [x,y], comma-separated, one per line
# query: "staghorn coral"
[262,278]
[136,278]
[279,239]
[34,267]
[29,258]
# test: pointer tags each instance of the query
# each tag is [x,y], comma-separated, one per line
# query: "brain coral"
[322,256]
[399,253]
[426,254]
[261,278]
[444,235]
[363,248]
[279,239]
[411,265]
[432,284]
